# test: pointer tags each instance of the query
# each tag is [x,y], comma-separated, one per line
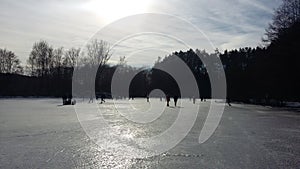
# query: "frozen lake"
[40,133]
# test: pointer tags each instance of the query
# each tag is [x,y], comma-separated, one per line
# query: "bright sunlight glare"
[110,10]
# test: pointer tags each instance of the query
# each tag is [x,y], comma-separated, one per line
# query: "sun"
[110,10]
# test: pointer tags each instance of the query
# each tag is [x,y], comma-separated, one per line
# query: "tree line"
[49,70]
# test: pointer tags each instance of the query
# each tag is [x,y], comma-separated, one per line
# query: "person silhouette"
[168,100]
[91,99]
[175,100]
[228,101]
[102,98]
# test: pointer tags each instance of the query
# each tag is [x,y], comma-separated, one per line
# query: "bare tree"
[57,58]
[72,57]
[285,16]
[9,63]
[98,53]
[40,58]
[122,61]
[92,62]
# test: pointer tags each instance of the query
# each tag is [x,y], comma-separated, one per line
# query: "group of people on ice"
[168,98]
[68,100]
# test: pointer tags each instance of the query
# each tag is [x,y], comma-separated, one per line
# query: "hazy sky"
[71,23]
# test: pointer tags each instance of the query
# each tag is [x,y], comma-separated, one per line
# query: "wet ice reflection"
[112,128]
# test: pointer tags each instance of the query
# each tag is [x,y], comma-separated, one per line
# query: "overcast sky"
[227,24]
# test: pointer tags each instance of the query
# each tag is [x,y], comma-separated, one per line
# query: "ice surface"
[41,133]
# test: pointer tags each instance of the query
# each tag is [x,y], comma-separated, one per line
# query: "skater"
[168,100]
[68,100]
[148,98]
[228,101]
[102,99]
[194,100]
[175,100]
[64,99]
[91,99]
